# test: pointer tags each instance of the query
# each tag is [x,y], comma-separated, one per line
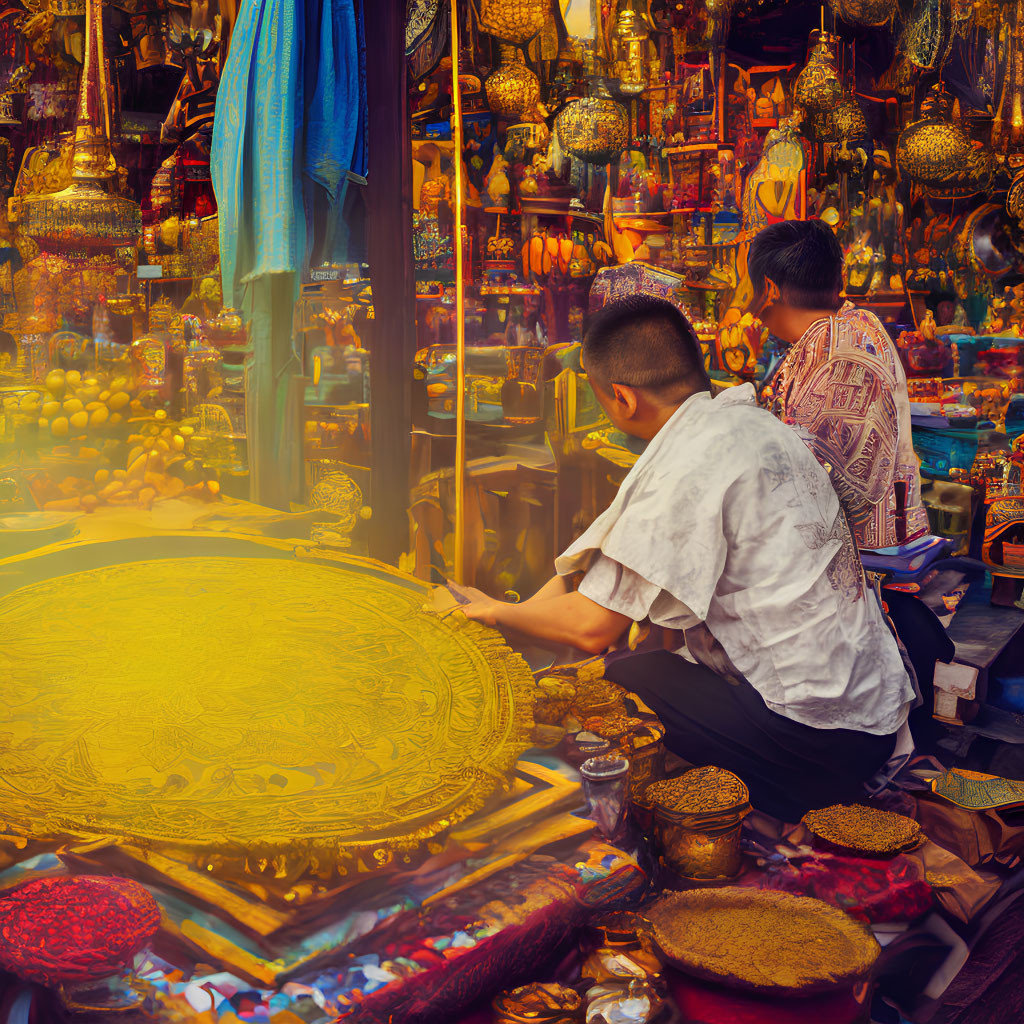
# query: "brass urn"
[513,90]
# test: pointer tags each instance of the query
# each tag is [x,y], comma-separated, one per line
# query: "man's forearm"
[557,586]
[569,619]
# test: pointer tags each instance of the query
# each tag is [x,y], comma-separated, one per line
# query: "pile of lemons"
[75,405]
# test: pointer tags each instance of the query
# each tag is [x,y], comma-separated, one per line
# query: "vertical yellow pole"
[460,313]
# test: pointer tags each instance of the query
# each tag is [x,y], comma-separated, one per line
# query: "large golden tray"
[226,694]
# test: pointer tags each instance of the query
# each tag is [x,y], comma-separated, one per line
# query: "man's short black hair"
[803,258]
[646,343]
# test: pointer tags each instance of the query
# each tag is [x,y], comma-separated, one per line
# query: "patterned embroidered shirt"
[727,521]
[847,397]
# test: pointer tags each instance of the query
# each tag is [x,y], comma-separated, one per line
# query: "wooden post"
[389,230]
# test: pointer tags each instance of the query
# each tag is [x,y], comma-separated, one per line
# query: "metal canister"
[697,820]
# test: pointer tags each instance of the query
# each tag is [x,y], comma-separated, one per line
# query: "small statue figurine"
[496,184]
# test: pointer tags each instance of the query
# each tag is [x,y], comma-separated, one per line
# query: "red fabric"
[699,1003]
[871,890]
[60,930]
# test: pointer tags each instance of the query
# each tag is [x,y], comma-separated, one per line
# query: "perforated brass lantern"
[938,155]
[846,124]
[513,91]
[593,129]
[817,89]
[514,21]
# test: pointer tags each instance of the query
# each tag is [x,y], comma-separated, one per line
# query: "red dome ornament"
[64,931]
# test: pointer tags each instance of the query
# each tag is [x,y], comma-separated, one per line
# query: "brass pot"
[593,130]
[697,827]
[513,90]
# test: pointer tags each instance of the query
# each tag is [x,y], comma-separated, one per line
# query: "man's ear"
[627,399]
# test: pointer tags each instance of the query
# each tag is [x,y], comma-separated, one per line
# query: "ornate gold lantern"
[593,129]
[938,155]
[90,213]
[634,64]
[817,89]
[1015,200]
[514,21]
[513,91]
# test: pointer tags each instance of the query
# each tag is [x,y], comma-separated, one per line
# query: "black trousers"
[789,768]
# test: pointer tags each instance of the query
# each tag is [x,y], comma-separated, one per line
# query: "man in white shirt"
[728,531]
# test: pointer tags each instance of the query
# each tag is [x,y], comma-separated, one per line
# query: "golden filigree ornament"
[594,129]
[89,213]
[846,124]
[938,156]
[817,89]
[871,13]
[258,706]
[513,90]
[514,21]
[636,60]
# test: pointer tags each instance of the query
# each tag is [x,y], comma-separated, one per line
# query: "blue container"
[945,452]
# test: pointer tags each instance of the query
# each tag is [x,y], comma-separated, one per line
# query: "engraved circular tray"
[245,699]
[761,940]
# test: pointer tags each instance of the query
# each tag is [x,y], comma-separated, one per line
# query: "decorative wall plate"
[230,704]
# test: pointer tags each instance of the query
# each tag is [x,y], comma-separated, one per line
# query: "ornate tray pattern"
[265,703]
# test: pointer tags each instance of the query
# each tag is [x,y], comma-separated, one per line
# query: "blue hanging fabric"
[287,128]
[255,158]
[290,122]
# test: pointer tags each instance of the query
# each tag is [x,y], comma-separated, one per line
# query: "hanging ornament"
[594,129]
[845,124]
[513,21]
[817,89]
[938,156]
[513,90]
[929,29]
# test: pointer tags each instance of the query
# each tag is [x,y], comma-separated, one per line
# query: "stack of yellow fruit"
[78,406]
[156,467]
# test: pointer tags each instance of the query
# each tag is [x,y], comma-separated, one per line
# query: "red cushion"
[60,930]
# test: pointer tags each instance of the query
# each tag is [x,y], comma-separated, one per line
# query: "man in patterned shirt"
[840,384]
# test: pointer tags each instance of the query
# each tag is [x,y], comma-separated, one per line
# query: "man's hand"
[569,619]
[477,605]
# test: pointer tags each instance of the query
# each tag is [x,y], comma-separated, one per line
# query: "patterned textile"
[61,930]
[847,396]
[727,519]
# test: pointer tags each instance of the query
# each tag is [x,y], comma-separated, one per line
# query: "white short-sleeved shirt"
[727,519]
